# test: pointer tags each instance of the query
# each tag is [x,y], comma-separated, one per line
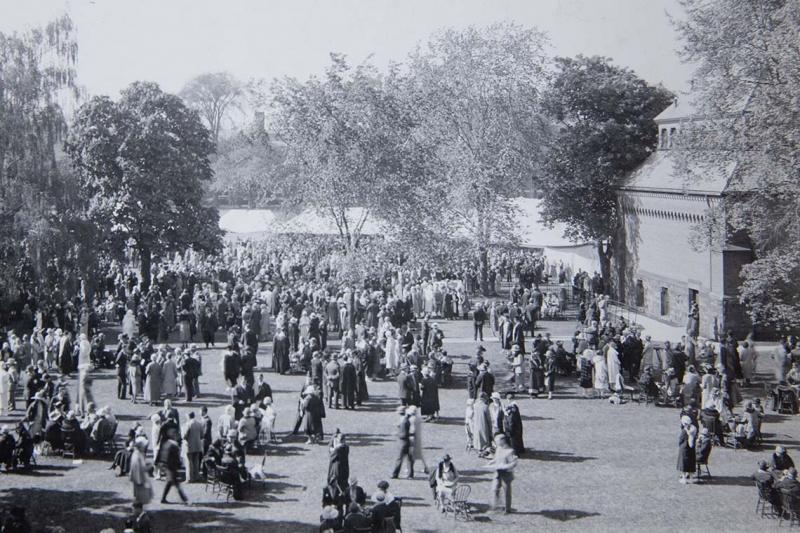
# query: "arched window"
[673,133]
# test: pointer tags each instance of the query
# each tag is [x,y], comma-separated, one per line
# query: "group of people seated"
[352,513]
[777,479]
[15,451]
[65,430]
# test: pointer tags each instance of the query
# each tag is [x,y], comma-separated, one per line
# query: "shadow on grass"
[364,439]
[536,418]
[739,481]
[562,515]
[554,456]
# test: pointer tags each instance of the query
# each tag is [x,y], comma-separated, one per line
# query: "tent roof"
[533,233]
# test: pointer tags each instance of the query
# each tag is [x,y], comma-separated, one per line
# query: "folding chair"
[764,500]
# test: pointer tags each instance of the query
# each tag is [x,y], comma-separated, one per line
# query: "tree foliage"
[478,95]
[250,168]
[142,162]
[213,95]
[42,235]
[350,138]
[746,89]
[605,129]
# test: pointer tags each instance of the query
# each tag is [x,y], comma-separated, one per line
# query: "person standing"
[349,384]
[686,449]
[193,436]
[332,382]
[478,319]
[338,466]
[503,464]
[405,437]
[121,363]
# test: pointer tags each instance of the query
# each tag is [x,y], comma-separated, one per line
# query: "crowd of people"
[295,295]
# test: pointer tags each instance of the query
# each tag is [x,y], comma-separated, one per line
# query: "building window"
[639,293]
[664,301]
[673,134]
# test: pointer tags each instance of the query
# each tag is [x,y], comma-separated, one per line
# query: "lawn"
[592,466]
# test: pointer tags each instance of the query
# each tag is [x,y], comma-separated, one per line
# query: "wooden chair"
[212,478]
[458,503]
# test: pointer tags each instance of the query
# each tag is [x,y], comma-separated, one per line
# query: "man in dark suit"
[485,380]
[355,493]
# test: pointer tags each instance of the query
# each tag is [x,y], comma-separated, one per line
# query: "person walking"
[405,437]
[170,457]
[503,464]
[338,466]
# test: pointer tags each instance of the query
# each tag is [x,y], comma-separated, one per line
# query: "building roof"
[658,174]
[680,109]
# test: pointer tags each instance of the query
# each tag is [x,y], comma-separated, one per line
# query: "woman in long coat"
[686,451]
[139,475]
[612,362]
[512,427]
[338,465]
[280,353]
[430,395]
[482,424]
[169,377]
[135,376]
[314,412]
[152,382]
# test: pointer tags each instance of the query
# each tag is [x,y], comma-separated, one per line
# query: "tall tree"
[143,161]
[213,95]
[37,71]
[605,124]
[746,87]
[350,137]
[478,96]
[250,168]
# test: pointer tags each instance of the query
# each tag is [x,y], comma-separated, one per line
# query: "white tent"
[533,234]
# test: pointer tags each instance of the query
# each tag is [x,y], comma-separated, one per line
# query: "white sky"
[170,41]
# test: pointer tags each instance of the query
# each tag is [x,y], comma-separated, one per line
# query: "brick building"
[656,269]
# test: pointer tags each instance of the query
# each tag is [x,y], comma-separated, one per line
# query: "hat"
[446,457]
[481,349]
[383,485]
[411,409]
[496,396]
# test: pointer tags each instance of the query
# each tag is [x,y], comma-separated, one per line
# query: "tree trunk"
[145,258]
[605,265]
[484,261]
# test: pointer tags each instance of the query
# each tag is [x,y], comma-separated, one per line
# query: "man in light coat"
[193,437]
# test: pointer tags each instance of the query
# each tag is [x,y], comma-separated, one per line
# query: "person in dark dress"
[430,396]
[686,452]
[338,467]
[280,352]
[512,428]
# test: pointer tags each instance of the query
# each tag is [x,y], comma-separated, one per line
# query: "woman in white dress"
[600,374]
[304,324]
[392,361]
[129,324]
[427,295]
[748,358]
[612,363]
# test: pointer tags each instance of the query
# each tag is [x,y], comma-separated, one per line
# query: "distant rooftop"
[681,109]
